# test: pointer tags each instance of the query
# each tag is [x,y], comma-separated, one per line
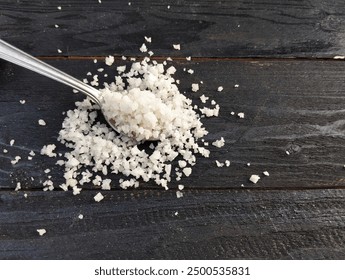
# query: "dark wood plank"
[294,106]
[143,225]
[204,28]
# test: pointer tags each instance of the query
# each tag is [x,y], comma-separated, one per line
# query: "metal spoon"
[16,56]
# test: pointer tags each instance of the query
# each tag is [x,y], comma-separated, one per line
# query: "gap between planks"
[198,59]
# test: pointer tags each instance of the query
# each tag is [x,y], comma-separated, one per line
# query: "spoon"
[16,56]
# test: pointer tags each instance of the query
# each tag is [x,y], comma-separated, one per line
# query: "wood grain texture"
[294,106]
[204,28]
[143,225]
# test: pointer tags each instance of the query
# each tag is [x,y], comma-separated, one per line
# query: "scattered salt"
[177,46]
[195,87]
[266,173]
[220,88]
[219,143]
[41,231]
[98,197]
[22,101]
[240,115]
[143,48]
[254,178]
[179,194]
[109,60]
[41,122]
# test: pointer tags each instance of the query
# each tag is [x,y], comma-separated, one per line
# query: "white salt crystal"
[254,178]
[203,98]
[121,69]
[177,46]
[188,58]
[41,122]
[339,57]
[98,197]
[219,143]
[190,71]
[41,231]
[16,159]
[266,173]
[220,89]
[48,150]
[59,7]
[180,187]
[59,51]
[18,187]
[12,142]
[187,171]
[236,86]
[95,61]
[179,194]
[219,164]
[56,26]
[148,39]
[195,87]
[240,115]
[227,163]
[109,60]
[143,48]
[80,216]
[22,101]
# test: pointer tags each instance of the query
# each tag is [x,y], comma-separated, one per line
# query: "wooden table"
[291,90]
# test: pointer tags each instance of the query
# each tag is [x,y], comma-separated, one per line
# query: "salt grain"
[41,122]
[254,178]
[41,231]
[98,197]
[240,115]
[177,46]
[109,60]
[179,194]
[195,87]
[266,173]
[220,89]
[219,143]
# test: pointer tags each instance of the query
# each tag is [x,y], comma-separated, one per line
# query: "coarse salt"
[254,178]
[41,231]
[98,197]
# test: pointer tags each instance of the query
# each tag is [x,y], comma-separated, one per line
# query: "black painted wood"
[142,224]
[204,28]
[294,106]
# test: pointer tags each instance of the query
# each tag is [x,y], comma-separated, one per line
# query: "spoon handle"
[16,56]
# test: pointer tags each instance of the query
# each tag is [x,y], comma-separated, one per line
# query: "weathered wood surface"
[139,224]
[290,105]
[204,28]
[294,106]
